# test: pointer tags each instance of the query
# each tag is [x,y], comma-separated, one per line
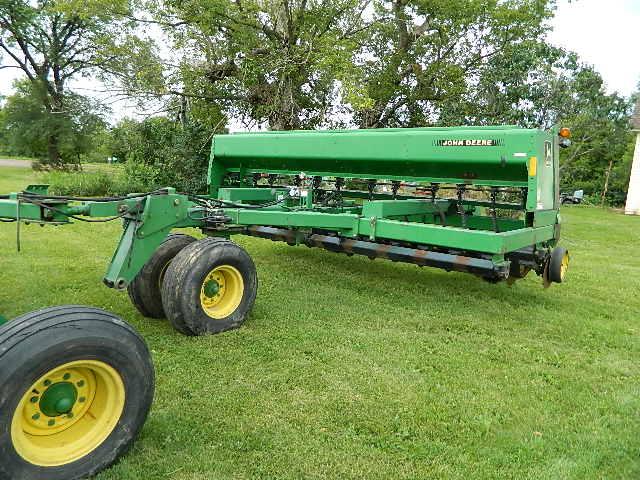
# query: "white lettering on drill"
[467,143]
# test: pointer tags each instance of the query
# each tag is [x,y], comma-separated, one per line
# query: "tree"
[4,138]
[26,125]
[424,56]
[54,41]
[162,151]
[601,132]
[273,61]
[526,84]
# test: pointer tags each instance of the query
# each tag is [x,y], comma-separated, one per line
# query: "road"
[8,162]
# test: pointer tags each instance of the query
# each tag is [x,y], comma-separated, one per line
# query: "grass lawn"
[349,368]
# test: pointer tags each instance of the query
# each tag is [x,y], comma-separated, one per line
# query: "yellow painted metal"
[53,441]
[564,266]
[229,292]
[533,166]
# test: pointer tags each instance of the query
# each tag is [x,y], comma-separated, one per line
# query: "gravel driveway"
[8,162]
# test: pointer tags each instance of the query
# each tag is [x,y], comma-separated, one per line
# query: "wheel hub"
[211,288]
[221,291]
[58,399]
[67,412]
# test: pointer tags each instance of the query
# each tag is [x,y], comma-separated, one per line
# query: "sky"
[604,33]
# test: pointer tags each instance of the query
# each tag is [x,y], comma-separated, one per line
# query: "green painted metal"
[483,156]
[396,208]
[40,189]
[523,160]
[211,288]
[249,195]
[147,221]
[351,225]
[144,232]
[14,208]
[298,176]
[58,399]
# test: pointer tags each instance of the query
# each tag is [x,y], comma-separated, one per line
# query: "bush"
[91,184]
[159,152]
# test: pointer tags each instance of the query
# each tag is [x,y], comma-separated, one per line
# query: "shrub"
[159,152]
[91,184]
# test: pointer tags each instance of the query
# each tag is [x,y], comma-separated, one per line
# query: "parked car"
[572,198]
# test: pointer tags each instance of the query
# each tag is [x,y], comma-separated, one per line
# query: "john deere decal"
[468,142]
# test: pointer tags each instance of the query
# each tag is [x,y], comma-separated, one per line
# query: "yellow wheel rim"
[50,438]
[564,266]
[221,291]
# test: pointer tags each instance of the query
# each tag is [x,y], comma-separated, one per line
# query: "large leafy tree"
[425,55]
[26,125]
[55,41]
[526,84]
[600,122]
[268,61]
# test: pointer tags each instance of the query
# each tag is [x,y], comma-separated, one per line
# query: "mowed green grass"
[349,368]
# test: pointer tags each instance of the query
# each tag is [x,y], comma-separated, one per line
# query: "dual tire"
[77,382]
[202,286]
[144,290]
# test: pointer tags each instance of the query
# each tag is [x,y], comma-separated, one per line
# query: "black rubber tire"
[145,289]
[184,279]
[35,343]
[567,201]
[555,264]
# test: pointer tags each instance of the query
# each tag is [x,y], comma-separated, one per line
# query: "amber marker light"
[564,132]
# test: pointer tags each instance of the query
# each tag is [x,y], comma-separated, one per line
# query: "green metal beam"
[394,208]
[143,234]
[379,228]
[249,194]
[16,209]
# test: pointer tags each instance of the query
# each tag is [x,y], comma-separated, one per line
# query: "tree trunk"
[286,115]
[54,101]
[606,183]
[53,151]
[182,115]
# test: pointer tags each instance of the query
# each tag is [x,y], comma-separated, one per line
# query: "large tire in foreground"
[76,386]
[209,287]
[145,289]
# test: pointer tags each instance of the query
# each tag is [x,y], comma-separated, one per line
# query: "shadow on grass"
[338,269]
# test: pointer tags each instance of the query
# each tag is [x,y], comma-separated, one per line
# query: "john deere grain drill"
[77,382]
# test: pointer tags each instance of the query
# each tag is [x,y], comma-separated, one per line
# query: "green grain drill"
[481,200]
